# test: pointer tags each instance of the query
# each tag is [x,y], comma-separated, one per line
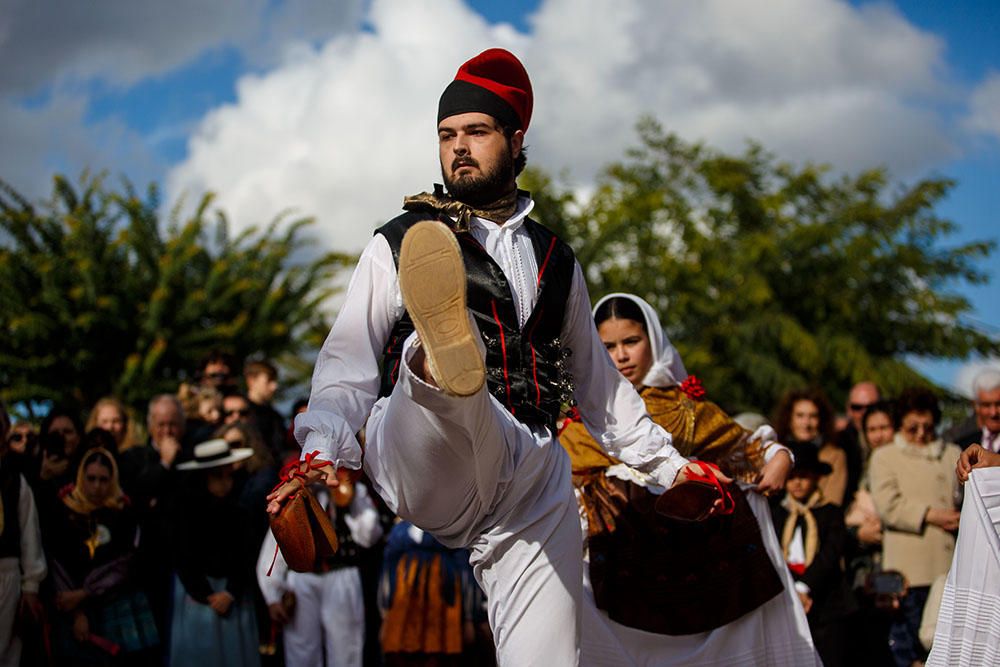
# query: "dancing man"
[479,319]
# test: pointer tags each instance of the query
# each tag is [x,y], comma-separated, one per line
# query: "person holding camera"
[915,491]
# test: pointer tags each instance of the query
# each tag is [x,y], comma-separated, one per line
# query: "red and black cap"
[495,83]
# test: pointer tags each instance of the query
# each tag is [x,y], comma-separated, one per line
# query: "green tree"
[98,297]
[770,276]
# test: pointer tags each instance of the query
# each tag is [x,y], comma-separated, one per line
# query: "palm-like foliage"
[98,297]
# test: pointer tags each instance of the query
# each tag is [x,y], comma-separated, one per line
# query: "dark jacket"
[825,577]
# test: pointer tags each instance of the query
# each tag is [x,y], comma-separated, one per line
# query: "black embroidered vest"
[10,490]
[526,368]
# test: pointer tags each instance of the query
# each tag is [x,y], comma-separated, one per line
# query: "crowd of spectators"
[871,512]
[131,541]
[134,541]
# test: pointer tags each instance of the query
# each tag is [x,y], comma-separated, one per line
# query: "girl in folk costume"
[813,540]
[670,586]
[101,613]
[214,550]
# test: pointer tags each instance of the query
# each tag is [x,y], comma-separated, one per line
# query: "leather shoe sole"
[432,281]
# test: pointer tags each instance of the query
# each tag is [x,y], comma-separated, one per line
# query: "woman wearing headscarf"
[735,604]
[101,612]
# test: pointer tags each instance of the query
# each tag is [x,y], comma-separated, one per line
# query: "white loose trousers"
[469,473]
[329,616]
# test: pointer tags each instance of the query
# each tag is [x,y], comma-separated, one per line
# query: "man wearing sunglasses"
[862,396]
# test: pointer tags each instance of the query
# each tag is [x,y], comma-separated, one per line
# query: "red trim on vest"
[545,263]
[534,364]
[503,351]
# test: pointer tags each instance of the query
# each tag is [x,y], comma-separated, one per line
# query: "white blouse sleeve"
[33,567]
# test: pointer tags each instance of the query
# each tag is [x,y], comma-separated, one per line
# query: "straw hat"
[214,453]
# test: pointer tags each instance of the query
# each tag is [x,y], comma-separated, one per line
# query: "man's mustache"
[464,162]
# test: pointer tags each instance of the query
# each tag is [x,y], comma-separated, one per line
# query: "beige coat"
[834,485]
[906,481]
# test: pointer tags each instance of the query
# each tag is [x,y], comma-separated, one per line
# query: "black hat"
[807,459]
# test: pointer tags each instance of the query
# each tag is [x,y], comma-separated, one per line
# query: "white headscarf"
[667,369]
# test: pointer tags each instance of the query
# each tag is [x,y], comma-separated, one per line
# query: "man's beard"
[485,188]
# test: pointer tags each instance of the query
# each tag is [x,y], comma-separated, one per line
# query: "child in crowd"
[812,535]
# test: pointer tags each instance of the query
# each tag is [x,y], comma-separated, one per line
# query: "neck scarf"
[78,502]
[804,510]
[667,369]
[499,211]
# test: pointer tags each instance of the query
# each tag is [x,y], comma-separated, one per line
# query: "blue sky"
[251,98]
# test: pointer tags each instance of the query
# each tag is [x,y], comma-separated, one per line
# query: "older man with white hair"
[986,389]
[148,476]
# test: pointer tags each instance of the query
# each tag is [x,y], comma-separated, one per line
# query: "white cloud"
[965,375]
[45,42]
[344,131]
[984,107]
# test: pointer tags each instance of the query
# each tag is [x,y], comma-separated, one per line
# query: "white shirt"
[346,378]
[32,562]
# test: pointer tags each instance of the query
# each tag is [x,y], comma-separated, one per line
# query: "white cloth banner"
[968,629]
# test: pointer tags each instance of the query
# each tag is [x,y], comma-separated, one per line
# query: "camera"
[888,582]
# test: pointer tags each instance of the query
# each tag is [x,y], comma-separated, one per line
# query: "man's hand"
[277,498]
[170,447]
[946,519]
[773,474]
[220,602]
[975,456]
[807,601]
